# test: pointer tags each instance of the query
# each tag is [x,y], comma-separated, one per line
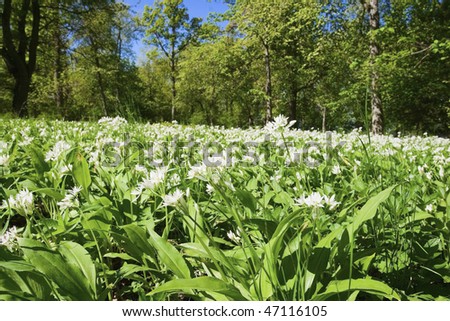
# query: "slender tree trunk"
[102,88]
[99,77]
[293,103]
[173,71]
[376,102]
[268,87]
[20,61]
[59,49]
[174,88]
[324,118]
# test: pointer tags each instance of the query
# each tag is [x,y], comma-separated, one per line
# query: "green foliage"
[369,222]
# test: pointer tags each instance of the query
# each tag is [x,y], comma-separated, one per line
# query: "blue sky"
[196,8]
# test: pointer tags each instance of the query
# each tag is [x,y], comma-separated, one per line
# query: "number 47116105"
[299,311]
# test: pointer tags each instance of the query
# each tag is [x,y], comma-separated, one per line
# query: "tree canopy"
[378,64]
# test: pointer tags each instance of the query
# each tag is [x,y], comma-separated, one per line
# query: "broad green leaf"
[205,284]
[365,285]
[18,266]
[317,264]
[77,256]
[69,279]
[139,242]
[247,199]
[38,160]
[81,173]
[369,210]
[169,255]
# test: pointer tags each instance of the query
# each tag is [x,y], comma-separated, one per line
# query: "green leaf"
[77,256]
[205,284]
[81,173]
[365,285]
[169,255]
[247,199]
[38,160]
[317,264]
[18,266]
[139,242]
[70,280]
[369,210]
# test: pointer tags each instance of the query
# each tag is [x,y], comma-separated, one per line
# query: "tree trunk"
[173,70]
[20,94]
[324,118]
[293,103]
[59,50]
[99,77]
[376,102]
[268,87]
[174,88]
[20,61]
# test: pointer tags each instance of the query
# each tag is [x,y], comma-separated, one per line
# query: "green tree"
[19,47]
[168,28]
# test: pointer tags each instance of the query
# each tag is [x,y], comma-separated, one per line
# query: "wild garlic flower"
[4,160]
[280,123]
[316,200]
[22,203]
[59,148]
[198,171]
[236,238]
[9,238]
[336,170]
[70,200]
[209,189]
[173,199]
[154,179]
[331,202]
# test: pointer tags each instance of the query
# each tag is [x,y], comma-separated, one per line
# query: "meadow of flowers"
[120,211]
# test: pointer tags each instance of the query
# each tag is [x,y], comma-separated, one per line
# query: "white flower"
[3,146]
[230,185]
[429,208]
[280,123]
[314,200]
[198,171]
[8,239]
[70,200]
[441,171]
[155,178]
[175,180]
[65,169]
[209,189]
[336,170]
[4,160]
[172,199]
[23,202]
[59,148]
[429,175]
[421,169]
[236,238]
[113,122]
[331,202]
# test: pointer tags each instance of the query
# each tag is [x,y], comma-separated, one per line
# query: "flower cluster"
[9,238]
[173,199]
[70,200]
[57,150]
[22,203]
[280,123]
[317,200]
